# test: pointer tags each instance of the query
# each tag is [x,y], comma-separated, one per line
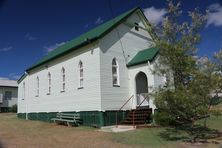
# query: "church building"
[104,70]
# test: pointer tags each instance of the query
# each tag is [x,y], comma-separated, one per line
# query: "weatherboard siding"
[21,99]
[73,99]
[147,69]
[132,42]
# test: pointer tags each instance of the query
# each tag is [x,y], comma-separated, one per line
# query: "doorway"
[141,89]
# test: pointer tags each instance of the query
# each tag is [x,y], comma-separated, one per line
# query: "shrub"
[162,118]
[13,108]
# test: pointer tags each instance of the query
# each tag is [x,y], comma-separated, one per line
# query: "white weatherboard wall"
[132,41]
[133,71]
[73,99]
[21,96]
[154,81]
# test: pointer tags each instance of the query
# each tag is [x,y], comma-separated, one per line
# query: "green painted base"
[89,118]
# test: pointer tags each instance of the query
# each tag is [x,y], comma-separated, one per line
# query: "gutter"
[84,43]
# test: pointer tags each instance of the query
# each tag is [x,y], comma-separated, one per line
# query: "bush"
[13,108]
[162,118]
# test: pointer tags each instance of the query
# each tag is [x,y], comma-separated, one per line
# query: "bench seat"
[68,118]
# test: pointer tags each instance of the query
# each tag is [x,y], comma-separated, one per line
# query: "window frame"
[63,81]
[136,26]
[23,91]
[49,83]
[37,86]
[115,76]
[80,75]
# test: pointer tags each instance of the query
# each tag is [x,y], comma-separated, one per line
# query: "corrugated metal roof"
[85,38]
[144,56]
[8,83]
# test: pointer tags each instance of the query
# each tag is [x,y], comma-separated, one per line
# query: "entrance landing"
[120,128]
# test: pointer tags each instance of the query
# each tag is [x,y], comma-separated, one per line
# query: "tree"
[187,93]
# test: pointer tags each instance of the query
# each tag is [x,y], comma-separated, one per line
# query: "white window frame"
[23,91]
[37,86]
[115,76]
[81,74]
[63,80]
[49,76]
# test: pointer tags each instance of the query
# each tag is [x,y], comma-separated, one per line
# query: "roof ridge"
[85,38]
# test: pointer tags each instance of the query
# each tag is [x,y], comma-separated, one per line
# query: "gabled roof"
[22,78]
[85,38]
[143,56]
[8,83]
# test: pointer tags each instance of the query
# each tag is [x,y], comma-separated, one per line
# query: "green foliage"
[13,108]
[187,95]
[163,118]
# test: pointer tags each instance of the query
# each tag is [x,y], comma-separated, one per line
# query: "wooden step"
[140,116]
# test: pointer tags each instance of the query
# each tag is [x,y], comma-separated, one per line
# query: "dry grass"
[33,134]
[19,133]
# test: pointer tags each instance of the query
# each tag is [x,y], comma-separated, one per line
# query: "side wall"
[122,43]
[73,99]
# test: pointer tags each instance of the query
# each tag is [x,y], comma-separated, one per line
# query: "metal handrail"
[135,110]
[122,108]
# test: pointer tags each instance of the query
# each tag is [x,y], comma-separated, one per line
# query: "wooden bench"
[67,118]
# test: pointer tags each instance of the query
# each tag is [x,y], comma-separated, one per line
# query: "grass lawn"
[144,137]
[167,137]
[213,122]
[18,133]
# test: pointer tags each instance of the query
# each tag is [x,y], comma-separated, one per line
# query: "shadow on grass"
[184,133]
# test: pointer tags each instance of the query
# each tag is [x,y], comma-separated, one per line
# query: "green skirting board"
[89,118]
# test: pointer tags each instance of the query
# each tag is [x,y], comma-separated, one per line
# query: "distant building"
[8,94]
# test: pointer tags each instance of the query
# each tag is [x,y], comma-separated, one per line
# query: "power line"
[117,30]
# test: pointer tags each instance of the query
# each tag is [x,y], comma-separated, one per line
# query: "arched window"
[115,72]
[63,79]
[80,74]
[49,83]
[23,91]
[37,86]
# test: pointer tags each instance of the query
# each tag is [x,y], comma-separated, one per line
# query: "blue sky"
[29,29]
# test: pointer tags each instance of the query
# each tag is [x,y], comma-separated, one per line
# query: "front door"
[141,89]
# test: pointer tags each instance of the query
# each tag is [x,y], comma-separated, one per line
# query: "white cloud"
[29,37]
[154,15]
[5,49]
[52,47]
[3,78]
[11,76]
[14,76]
[99,20]
[215,15]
